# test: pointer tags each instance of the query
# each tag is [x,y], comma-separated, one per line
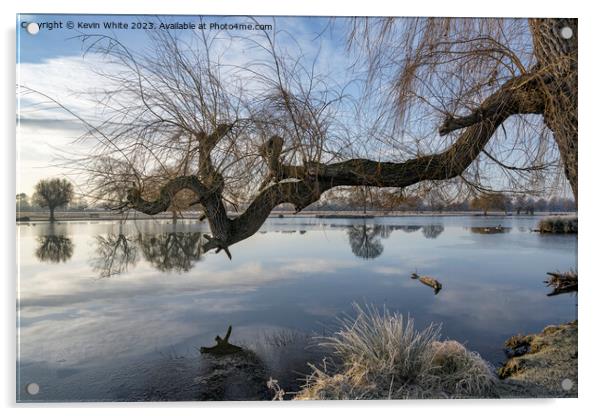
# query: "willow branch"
[303,185]
[517,96]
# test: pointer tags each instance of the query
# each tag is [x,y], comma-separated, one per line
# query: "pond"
[113,311]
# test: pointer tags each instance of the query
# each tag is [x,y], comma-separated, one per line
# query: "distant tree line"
[485,203]
[51,194]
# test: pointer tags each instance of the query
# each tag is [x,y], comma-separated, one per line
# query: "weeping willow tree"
[476,103]
[500,93]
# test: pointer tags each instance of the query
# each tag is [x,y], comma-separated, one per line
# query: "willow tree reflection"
[173,251]
[432,231]
[54,247]
[115,253]
[365,240]
[409,228]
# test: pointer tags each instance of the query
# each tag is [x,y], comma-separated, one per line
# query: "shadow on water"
[54,247]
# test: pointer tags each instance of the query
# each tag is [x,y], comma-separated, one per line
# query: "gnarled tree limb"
[520,95]
[303,185]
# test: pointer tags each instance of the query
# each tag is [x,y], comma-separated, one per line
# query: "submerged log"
[429,281]
[223,347]
[562,282]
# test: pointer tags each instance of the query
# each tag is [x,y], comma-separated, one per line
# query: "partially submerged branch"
[428,281]
[562,282]
[223,346]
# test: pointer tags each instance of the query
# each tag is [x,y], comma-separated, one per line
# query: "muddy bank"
[541,365]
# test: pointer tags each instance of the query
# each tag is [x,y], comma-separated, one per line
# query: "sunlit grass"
[381,355]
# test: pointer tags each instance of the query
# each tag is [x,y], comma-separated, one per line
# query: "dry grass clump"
[382,356]
[460,371]
[558,224]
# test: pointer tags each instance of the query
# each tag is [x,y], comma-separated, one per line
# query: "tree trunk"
[365,200]
[558,56]
[51,214]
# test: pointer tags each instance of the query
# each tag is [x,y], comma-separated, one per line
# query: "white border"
[589,155]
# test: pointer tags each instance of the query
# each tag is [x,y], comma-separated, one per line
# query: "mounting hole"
[32,28]
[567,384]
[566,32]
[32,388]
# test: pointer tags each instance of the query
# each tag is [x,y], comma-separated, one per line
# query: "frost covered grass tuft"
[558,224]
[381,355]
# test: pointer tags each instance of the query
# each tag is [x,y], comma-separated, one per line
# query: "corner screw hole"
[32,389]
[566,32]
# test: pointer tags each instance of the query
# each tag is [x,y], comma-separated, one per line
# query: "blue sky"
[50,43]
[52,62]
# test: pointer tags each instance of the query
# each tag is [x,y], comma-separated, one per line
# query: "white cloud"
[44,130]
[77,83]
[71,81]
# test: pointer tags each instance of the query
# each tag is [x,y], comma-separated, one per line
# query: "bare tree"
[487,202]
[249,137]
[22,202]
[52,194]
[479,75]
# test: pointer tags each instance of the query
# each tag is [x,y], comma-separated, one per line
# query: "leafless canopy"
[475,103]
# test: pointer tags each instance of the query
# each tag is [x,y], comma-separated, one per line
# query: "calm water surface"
[112,311]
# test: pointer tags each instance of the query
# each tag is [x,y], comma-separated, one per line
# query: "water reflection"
[174,251]
[179,251]
[432,231]
[54,247]
[276,281]
[364,240]
[498,229]
[114,254]
[410,228]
